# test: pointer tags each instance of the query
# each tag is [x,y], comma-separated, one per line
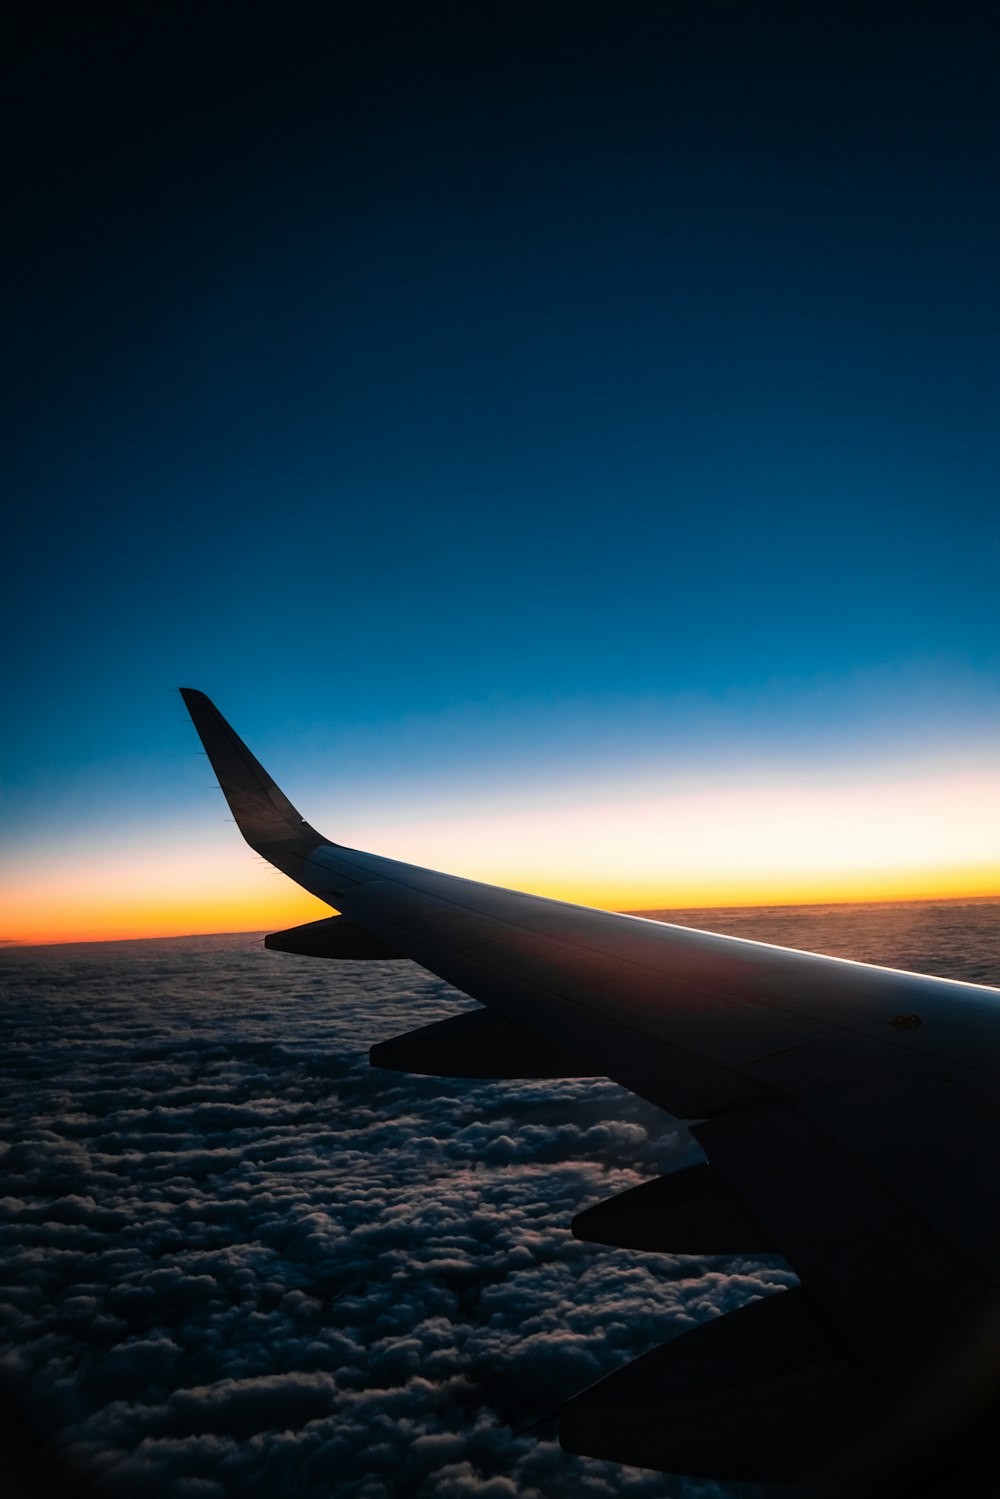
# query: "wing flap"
[865,1257]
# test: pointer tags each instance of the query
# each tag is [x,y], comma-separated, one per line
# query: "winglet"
[263,813]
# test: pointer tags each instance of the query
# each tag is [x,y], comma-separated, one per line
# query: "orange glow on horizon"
[892,885]
[111,920]
[158,897]
[122,923]
[117,914]
[921,837]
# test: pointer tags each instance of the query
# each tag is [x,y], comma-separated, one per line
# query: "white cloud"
[241,1262]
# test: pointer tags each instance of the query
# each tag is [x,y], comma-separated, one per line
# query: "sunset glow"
[596,498]
[151,897]
[908,837]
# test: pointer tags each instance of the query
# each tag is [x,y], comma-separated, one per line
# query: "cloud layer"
[239,1261]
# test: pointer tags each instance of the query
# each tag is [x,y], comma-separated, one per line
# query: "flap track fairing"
[334,937]
[477,1043]
[763,1394]
[689,1212]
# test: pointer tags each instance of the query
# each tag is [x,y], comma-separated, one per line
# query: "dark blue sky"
[379,360]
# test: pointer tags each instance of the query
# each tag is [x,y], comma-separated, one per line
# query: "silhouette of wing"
[850,1116]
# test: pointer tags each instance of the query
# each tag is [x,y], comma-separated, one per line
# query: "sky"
[560,438]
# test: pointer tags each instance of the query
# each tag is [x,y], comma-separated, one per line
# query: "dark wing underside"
[850,1116]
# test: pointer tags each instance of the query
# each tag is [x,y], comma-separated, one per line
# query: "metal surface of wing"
[852,1113]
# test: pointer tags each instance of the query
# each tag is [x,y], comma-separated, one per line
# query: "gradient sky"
[562,439]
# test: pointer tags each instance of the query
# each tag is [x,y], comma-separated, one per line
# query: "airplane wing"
[850,1116]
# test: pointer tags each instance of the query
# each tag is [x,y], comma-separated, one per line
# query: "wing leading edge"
[850,1114]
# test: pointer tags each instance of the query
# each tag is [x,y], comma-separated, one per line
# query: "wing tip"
[266,818]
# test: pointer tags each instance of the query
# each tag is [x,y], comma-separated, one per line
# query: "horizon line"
[11,944]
